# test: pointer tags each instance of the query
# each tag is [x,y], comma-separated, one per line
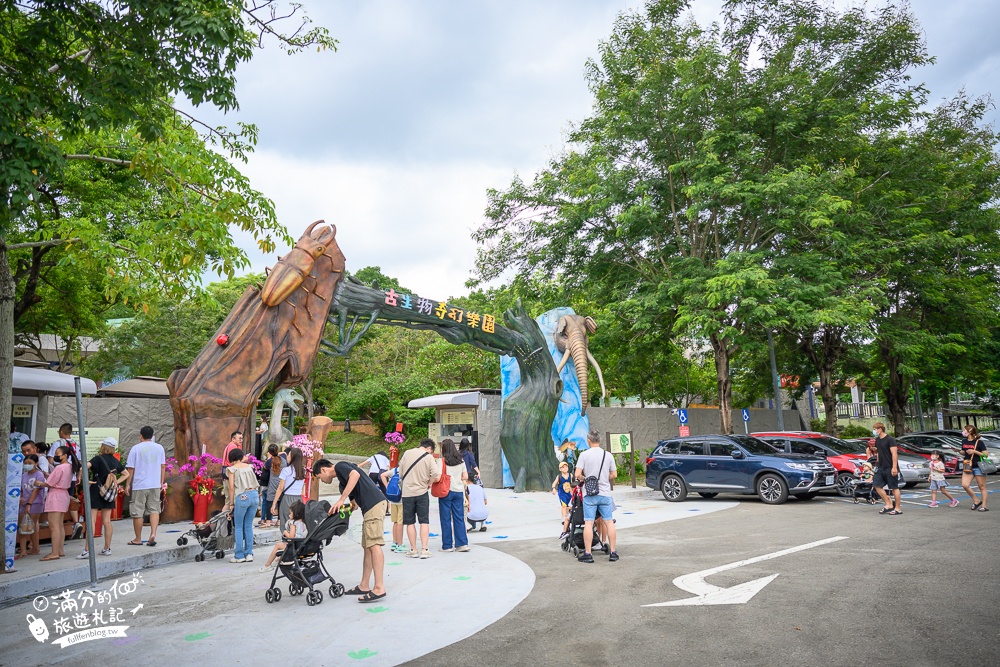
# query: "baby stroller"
[574,538]
[216,535]
[864,488]
[302,560]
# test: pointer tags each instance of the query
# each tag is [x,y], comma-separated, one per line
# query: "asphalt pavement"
[916,589]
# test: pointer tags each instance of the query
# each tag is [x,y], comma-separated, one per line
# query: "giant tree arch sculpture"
[274,333]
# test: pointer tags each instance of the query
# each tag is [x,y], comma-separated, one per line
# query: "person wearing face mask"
[886,470]
[32,504]
[57,499]
[973,451]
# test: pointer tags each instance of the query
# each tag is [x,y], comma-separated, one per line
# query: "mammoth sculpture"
[572,339]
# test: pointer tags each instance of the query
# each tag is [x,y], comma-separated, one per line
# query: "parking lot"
[899,590]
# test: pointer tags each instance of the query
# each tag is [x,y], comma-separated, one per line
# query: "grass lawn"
[359,444]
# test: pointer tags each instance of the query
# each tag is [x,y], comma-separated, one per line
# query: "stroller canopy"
[321,526]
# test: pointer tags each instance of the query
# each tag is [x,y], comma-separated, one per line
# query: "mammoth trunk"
[578,350]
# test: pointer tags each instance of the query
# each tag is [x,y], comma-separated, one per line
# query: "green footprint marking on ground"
[396,563]
[196,637]
[362,654]
[462,578]
[377,610]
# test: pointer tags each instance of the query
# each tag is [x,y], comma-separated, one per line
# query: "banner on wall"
[12,488]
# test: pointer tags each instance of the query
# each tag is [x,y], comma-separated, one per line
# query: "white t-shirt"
[63,442]
[146,458]
[262,429]
[293,487]
[590,462]
[378,463]
[477,503]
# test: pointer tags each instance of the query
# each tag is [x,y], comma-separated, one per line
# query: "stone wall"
[648,425]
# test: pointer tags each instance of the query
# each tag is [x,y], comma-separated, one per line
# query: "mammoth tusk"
[600,376]
[562,363]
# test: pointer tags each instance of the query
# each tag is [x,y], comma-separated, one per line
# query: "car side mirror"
[737,454]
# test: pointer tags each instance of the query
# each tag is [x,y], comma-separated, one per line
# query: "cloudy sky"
[396,137]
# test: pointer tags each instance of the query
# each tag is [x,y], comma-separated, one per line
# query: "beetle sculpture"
[274,334]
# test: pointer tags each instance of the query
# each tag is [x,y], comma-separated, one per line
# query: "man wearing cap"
[106,468]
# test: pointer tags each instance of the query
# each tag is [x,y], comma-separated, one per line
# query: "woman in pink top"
[57,499]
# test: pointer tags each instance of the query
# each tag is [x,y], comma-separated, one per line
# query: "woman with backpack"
[106,474]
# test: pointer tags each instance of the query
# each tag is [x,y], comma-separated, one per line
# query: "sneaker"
[77,532]
[412,554]
[463,548]
[585,558]
[448,550]
[105,552]
[953,503]
[249,558]
[425,553]
[613,557]
[85,554]
[234,559]
[397,549]
[266,568]
[932,504]
[483,529]
[563,535]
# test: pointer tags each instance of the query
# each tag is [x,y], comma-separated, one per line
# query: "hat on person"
[110,442]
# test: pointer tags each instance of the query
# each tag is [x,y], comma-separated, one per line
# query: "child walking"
[938,482]
[296,530]
[562,488]
[395,516]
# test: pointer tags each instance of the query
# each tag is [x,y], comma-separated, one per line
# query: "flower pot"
[201,502]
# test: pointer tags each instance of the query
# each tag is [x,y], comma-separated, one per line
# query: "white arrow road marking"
[707,594]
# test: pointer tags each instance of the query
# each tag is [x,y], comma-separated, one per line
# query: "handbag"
[442,487]
[591,485]
[394,489]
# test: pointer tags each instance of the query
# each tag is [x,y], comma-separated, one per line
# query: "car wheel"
[707,494]
[845,484]
[771,489]
[673,488]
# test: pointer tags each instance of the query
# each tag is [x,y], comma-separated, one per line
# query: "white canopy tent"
[45,381]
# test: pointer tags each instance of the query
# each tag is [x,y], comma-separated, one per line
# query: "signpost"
[682,417]
[746,420]
[621,443]
[940,417]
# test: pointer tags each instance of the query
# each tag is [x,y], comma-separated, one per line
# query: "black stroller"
[574,537]
[216,535]
[302,560]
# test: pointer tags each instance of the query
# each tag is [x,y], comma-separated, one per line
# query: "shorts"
[885,478]
[938,484]
[563,503]
[594,505]
[416,509]
[371,534]
[144,501]
[396,512]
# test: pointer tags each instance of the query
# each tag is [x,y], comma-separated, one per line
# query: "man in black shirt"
[886,470]
[364,494]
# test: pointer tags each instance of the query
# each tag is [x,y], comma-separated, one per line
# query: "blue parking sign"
[682,416]
[746,415]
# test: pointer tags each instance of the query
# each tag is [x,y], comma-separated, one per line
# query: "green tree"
[77,68]
[706,148]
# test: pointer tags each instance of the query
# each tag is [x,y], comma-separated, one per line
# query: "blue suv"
[714,464]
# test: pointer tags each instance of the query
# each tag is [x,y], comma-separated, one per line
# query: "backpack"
[442,487]
[394,489]
[591,485]
[109,490]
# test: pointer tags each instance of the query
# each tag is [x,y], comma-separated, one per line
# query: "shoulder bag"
[442,487]
[591,485]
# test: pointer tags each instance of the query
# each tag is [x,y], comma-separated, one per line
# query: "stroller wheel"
[576,552]
[294,589]
[220,554]
[269,595]
[277,593]
[606,549]
[314,598]
[199,557]
[181,541]
[565,545]
[336,590]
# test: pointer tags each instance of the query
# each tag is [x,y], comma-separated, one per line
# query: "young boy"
[563,488]
[395,515]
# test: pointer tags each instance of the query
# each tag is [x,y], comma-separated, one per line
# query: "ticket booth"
[455,414]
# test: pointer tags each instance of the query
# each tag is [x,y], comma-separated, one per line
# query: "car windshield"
[841,446]
[753,445]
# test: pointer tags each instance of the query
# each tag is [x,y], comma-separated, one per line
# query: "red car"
[842,455]
[952,463]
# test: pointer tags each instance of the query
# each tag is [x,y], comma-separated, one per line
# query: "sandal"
[356,591]
[895,512]
[134,543]
[151,542]
[371,596]
[983,509]
[50,557]
[976,506]
[886,510]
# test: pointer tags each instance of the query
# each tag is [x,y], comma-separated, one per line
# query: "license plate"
[829,480]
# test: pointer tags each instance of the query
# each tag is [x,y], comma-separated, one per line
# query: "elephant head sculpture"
[572,339]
